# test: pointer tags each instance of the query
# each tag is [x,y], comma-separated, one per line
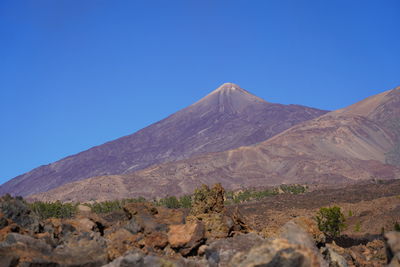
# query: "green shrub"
[293,189]
[396,227]
[112,205]
[170,202]
[106,206]
[357,227]
[53,209]
[330,221]
[249,195]
[350,214]
[185,201]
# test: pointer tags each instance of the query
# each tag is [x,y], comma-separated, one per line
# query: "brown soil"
[369,208]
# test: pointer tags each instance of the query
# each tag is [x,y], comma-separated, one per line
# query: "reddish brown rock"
[156,240]
[216,225]
[186,237]
[133,209]
[118,243]
[169,216]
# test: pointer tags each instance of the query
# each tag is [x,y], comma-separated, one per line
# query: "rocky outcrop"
[17,211]
[147,235]
[393,248]
[206,200]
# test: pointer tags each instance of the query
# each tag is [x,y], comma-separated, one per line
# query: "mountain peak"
[227,87]
[229,97]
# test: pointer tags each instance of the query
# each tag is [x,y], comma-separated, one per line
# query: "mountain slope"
[227,118]
[341,146]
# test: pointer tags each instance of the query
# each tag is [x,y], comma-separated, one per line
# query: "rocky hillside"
[277,231]
[227,118]
[340,147]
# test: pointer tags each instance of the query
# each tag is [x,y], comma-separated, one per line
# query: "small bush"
[170,202]
[330,221]
[185,201]
[293,189]
[106,206]
[53,209]
[112,205]
[357,227]
[396,227]
[350,214]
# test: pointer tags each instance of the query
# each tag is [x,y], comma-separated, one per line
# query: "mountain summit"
[227,118]
[229,98]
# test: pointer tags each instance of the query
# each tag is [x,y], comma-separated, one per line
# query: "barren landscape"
[278,230]
[342,146]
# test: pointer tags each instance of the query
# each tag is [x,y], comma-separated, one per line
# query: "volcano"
[229,117]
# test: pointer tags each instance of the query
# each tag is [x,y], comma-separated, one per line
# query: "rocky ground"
[277,231]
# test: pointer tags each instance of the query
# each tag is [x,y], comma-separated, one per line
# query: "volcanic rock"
[278,252]
[17,210]
[220,252]
[393,248]
[186,237]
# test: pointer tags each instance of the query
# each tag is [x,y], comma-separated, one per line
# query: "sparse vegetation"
[350,213]
[185,201]
[251,195]
[357,227]
[293,189]
[169,202]
[112,205]
[396,227]
[330,221]
[53,209]
[66,210]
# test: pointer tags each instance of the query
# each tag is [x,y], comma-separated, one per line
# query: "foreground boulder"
[220,252]
[28,251]
[278,252]
[392,240]
[186,238]
[17,210]
[138,259]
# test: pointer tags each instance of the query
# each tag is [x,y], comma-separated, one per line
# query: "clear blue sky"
[78,73]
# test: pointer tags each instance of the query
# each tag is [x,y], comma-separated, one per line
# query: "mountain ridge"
[333,148]
[226,118]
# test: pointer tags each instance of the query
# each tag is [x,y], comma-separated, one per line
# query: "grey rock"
[26,242]
[139,259]
[333,258]
[278,252]
[295,234]
[133,227]
[3,222]
[221,251]
[17,210]
[392,242]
